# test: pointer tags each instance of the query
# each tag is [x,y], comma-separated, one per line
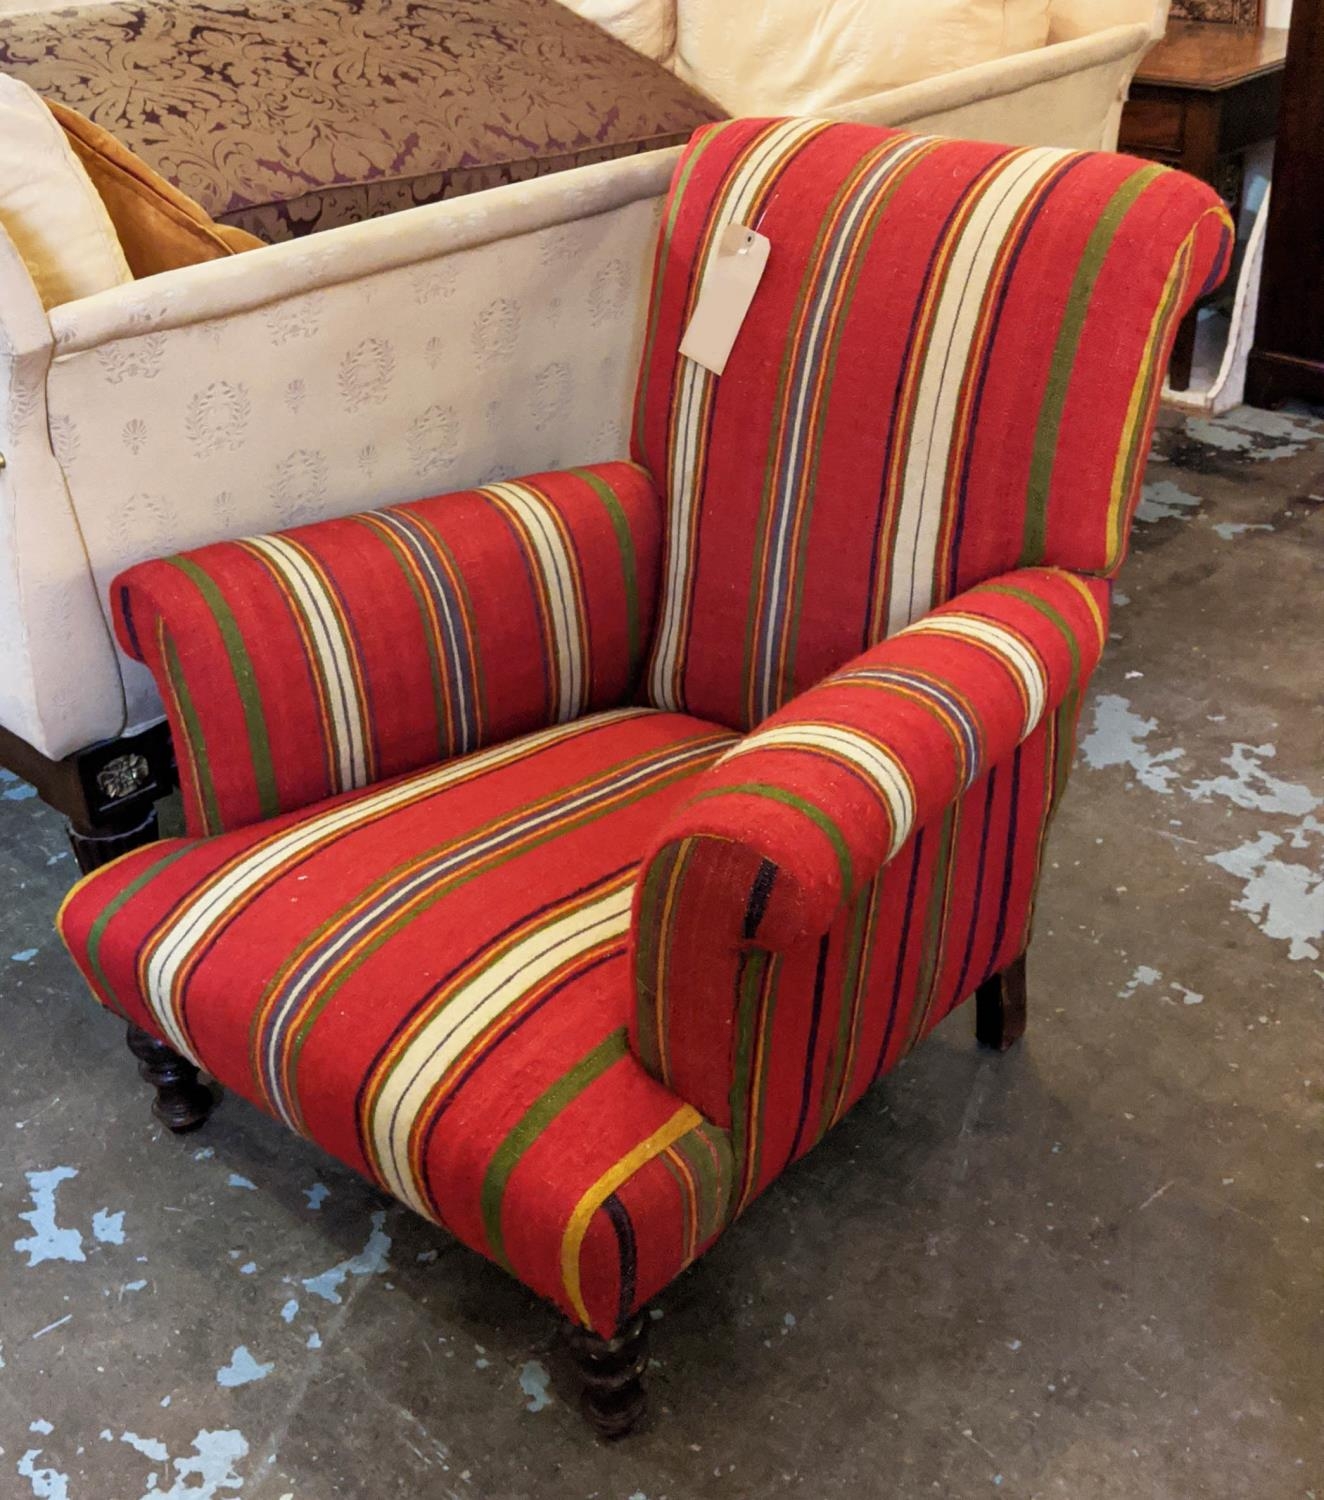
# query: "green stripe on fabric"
[1049,427]
[197,744]
[749,1012]
[1050,614]
[1064,745]
[934,927]
[707,1152]
[245,681]
[816,816]
[532,1123]
[629,563]
[860,920]
[650,947]
[114,906]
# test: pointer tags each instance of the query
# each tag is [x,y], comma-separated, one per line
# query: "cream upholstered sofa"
[1028,72]
[492,334]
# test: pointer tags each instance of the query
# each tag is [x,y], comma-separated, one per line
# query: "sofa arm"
[802,814]
[302,664]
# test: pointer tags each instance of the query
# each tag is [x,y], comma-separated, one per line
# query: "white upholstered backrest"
[815,56]
[1068,19]
[649,26]
[484,336]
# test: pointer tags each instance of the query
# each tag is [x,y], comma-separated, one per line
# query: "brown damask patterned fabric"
[287,116]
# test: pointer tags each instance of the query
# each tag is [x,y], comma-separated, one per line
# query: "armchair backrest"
[951,368]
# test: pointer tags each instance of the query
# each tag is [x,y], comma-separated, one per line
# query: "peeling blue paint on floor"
[243,1369]
[1117,739]
[149,1447]
[1252,787]
[212,1464]
[236,1181]
[1252,433]
[107,1227]
[47,1484]
[1144,977]
[533,1381]
[317,1195]
[1284,899]
[48,1241]
[1164,500]
[1230,530]
[370,1261]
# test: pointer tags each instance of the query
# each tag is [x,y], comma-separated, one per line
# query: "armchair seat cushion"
[430,979]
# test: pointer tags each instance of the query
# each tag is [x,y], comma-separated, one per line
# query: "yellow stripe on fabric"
[685,1119]
[1091,604]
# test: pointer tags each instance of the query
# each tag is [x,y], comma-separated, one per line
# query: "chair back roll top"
[301,665]
[950,369]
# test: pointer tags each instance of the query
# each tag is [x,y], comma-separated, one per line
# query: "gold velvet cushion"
[286,116]
[159,227]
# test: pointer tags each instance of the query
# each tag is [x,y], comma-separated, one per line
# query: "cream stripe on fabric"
[694,382]
[189,926]
[1009,649]
[826,303]
[946,357]
[334,655]
[874,761]
[561,583]
[468,1011]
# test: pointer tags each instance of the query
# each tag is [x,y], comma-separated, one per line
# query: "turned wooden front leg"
[612,1371]
[1000,1004]
[182,1101]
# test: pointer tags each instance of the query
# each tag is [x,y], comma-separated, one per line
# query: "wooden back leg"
[1000,1007]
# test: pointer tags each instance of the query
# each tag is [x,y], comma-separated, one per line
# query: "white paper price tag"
[733,275]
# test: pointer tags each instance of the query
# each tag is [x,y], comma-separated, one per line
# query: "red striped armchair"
[569,855]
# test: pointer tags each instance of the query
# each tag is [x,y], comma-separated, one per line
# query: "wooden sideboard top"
[1208,56]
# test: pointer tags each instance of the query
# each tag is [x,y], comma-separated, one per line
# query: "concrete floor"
[1093,1268]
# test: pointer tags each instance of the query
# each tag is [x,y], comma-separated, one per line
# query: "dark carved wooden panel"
[1288,358]
[1230,12]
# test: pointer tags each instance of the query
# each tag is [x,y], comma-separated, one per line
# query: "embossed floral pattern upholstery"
[335,111]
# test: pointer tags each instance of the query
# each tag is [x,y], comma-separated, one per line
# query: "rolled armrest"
[799,817]
[827,790]
[302,664]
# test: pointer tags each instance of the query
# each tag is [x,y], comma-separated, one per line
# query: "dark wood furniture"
[1201,99]
[108,792]
[1288,358]
[1227,12]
